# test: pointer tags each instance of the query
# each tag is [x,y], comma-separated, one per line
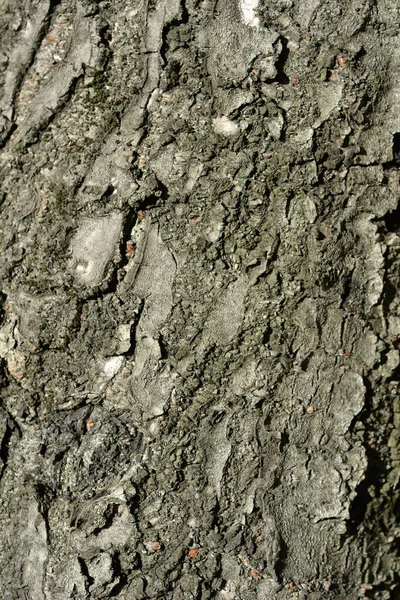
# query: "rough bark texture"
[199,324]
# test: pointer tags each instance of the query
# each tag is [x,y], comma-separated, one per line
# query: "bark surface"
[199,325]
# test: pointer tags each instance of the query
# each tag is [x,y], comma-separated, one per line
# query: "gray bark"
[199,324]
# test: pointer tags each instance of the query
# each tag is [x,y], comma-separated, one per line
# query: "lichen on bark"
[198,315]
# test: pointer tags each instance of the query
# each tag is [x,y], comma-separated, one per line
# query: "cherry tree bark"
[199,321]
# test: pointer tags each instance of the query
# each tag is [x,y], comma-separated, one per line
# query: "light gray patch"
[110,167]
[306,10]
[153,281]
[124,338]
[249,12]
[328,98]
[244,378]
[347,400]
[267,588]
[7,339]
[213,222]
[171,165]
[306,320]
[193,173]
[233,45]
[108,371]
[328,497]
[34,544]
[309,209]
[165,12]
[225,320]
[164,163]
[367,273]
[69,581]
[82,52]
[93,246]
[230,100]
[218,449]
[20,56]
[275,126]
[224,126]
[100,569]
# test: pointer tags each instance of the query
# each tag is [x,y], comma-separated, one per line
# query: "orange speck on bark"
[342,61]
[156,546]
[193,552]
[44,206]
[255,574]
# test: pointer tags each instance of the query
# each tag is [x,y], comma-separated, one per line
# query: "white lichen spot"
[248,8]
[112,366]
[225,126]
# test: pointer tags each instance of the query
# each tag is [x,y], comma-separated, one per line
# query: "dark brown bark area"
[199,317]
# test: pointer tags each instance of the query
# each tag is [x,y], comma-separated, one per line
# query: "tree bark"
[199,324]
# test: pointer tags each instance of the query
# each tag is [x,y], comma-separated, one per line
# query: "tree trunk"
[199,327]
